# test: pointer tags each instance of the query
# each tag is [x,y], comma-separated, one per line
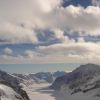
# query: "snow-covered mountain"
[81,84]
[83,3]
[48,76]
[85,79]
[10,88]
[7,93]
[28,79]
[40,77]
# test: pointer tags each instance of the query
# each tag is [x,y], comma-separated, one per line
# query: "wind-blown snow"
[7,93]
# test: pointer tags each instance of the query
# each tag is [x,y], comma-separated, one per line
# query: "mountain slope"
[12,84]
[84,79]
[7,93]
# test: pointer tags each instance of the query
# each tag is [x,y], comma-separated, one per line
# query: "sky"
[35,68]
[46,32]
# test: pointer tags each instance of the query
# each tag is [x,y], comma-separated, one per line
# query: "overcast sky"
[42,31]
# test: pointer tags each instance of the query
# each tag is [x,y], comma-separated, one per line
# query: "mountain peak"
[87,70]
[88,67]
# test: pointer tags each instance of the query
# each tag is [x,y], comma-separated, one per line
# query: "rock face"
[84,79]
[13,83]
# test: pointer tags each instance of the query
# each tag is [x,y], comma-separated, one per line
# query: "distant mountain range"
[41,77]
[83,3]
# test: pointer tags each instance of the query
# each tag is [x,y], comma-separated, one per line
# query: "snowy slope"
[11,83]
[7,93]
[39,91]
[84,81]
[81,84]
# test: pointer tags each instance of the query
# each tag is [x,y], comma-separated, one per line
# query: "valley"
[83,83]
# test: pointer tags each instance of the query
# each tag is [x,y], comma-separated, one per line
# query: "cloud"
[47,15]
[22,10]
[73,52]
[26,13]
[19,22]
[96,2]
[39,21]
[8,52]
[10,33]
[69,48]
[30,54]
[66,52]
[75,19]
[59,34]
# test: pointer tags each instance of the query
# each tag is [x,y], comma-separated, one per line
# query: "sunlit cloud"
[47,25]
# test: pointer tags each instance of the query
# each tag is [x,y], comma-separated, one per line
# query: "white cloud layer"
[20,20]
[45,14]
[67,52]
[10,33]
[76,19]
